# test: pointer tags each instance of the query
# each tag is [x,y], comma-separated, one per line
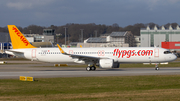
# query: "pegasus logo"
[129,53]
[22,38]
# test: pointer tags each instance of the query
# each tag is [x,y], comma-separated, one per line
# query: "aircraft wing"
[87,57]
[82,57]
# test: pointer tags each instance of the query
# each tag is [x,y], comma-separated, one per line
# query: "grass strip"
[136,88]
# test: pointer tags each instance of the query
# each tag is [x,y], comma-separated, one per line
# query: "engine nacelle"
[108,63]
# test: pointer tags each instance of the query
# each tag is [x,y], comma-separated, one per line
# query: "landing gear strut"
[156,67]
[91,68]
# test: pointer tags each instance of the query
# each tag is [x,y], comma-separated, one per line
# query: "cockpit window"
[167,52]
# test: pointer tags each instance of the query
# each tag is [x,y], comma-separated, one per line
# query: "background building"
[115,39]
[154,37]
[48,32]
[172,46]
[137,41]
[39,38]
[4,43]
[45,40]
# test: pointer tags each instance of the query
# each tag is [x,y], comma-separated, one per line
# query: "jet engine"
[108,63]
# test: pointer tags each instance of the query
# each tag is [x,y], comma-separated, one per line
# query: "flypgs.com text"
[129,53]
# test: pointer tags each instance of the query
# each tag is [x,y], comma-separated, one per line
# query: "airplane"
[104,57]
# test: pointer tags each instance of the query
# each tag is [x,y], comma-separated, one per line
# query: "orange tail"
[17,38]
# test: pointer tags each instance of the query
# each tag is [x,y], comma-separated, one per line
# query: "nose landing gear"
[156,67]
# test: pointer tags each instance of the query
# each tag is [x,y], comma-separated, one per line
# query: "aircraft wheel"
[88,68]
[93,68]
[157,68]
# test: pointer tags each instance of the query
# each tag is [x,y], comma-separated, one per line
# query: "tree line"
[89,30]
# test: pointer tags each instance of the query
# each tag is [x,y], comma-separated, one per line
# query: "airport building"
[114,39]
[48,32]
[4,37]
[4,43]
[137,41]
[154,37]
[39,38]
[48,36]
[45,40]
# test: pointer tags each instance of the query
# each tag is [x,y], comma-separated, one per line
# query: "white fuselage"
[118,54]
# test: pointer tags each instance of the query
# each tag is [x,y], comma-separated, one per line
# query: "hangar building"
[154,37]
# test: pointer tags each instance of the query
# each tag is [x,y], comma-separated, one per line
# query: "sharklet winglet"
[61,50]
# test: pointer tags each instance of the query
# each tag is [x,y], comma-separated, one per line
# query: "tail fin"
[17,38]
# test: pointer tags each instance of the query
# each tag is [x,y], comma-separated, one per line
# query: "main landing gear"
[156,67]
[91,68]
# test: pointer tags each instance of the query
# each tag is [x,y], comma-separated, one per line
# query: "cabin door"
[33,53]
[156,53]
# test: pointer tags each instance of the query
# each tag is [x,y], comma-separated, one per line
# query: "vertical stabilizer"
[17,38]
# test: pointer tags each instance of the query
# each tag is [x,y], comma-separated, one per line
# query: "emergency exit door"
[156,52]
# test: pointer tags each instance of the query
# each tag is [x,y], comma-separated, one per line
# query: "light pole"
[81,35]
[65,35]
[68,39]
[95,33]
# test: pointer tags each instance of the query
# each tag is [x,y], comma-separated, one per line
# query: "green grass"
[135,88]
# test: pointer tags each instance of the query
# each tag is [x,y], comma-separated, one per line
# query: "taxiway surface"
[46,70]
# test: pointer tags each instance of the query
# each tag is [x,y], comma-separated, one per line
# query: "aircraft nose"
[171,57]
[174,57]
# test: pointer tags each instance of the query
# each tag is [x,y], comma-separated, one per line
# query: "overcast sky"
[60,12]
